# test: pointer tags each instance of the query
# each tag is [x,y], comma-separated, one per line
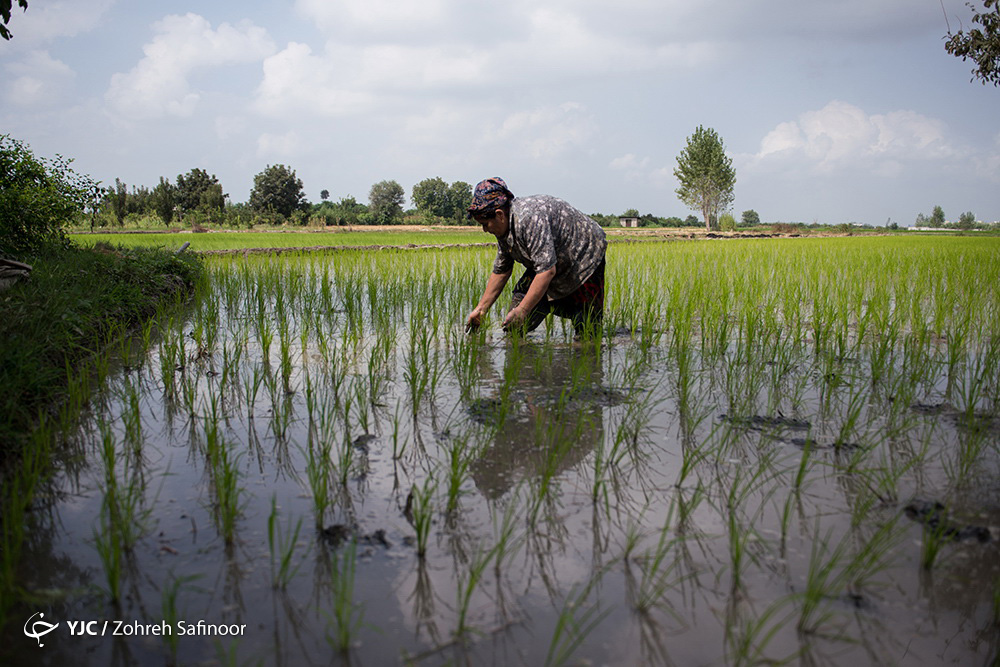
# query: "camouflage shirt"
[545,232]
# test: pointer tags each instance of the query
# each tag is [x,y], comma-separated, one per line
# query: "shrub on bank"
[74,303]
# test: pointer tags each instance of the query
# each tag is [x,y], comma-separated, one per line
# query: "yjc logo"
[39,628]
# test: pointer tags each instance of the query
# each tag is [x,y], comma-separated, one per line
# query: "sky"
[832,111]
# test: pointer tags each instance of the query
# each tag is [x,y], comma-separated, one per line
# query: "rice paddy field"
[238,240]
[776,450]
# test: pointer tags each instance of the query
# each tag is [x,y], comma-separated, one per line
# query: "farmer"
[562,251]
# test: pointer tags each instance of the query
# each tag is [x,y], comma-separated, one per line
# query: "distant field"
[238,240]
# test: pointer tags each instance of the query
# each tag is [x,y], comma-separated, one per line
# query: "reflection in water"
[550,425]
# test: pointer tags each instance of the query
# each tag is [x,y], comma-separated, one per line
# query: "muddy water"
[589,503]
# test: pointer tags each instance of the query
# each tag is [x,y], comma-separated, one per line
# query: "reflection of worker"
[562,251]
[556,420]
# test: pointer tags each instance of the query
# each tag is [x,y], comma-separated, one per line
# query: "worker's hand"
[474,320]
[515,318]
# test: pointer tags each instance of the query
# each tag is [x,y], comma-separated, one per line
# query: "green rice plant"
[575,622]
[459,457]
[747,639]
[132,418]
[934,537]
[20,483]
[824,576]
[833,571]
[282,547]
[345,452]
[468,580]
[417,372]
[965,460]
[658,572]
[421,512]
[285,353]
[224,477]
[505,539]
[169,612]
[397,448]
[347,614]
[319,474]
[110,551]
[121,521]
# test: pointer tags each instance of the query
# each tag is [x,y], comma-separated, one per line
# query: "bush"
[75,302]
[727,222]
[37,198]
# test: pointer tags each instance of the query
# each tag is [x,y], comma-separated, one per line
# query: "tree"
[324,194]
[706,174]
[37,197]
[460,196]
[967,220]
[727,222]
[5,8]
[430,196]
[937,217]
[385,201]
[119,198]
[138,200]
[277,189]
[348,211]
[750,218]
[163,200]
[982,46]
[200,192]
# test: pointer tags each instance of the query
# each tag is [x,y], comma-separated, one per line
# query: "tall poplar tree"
[706,175]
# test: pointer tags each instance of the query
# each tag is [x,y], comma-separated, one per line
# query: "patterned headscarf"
[490,195]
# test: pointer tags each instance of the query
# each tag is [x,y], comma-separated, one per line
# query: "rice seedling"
[319,474]
[468,580]
[459,456]
[169,612]
[347,615]
[282,547]
[224,477]
[575,622]
[748,637]
[420,510]
[658,572]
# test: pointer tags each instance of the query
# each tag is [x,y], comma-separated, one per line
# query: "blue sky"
[832,111]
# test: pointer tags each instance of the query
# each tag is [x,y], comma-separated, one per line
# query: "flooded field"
[775,450]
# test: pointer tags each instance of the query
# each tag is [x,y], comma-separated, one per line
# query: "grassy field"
[214,241]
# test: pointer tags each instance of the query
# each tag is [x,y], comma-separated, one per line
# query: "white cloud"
[158,85]
[36,80]
[629,162]
[44,22]
[368,20]
[281,146]
[841,137]
[296,82]
[642,172]
[546,133]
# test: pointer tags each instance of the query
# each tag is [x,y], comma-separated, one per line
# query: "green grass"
[241,240]
[75,304]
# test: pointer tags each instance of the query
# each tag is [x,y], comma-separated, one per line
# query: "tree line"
[277,197]
[966,220]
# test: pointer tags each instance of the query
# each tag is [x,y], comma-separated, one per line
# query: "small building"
[628,221]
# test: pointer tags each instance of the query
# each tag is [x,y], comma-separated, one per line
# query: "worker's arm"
[494,286]
[536,292]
